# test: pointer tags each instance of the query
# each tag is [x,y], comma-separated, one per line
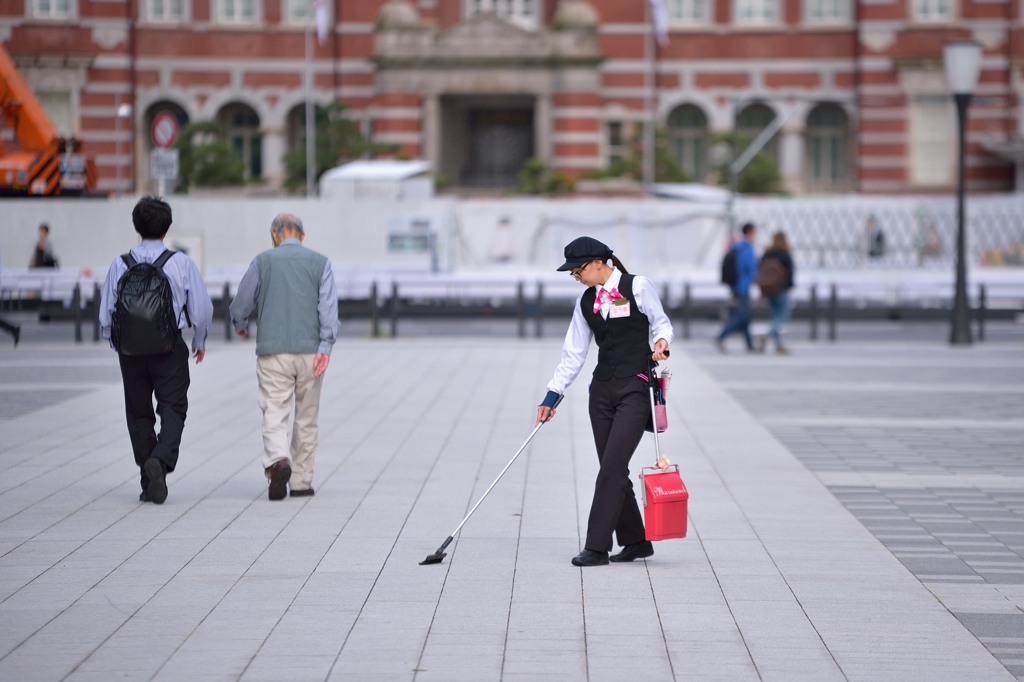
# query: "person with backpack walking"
[775,279]
[292,288]
[623,313]
[739,267]
[150,295]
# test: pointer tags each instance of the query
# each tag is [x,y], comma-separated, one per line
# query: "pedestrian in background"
[43,256]
[151,293]
[624,315]
[292,289]
[745,269]
[775,279]
[12,329]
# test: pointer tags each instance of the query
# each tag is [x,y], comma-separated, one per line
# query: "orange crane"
[40,162]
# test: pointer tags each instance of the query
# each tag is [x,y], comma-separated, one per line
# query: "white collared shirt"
[579,336]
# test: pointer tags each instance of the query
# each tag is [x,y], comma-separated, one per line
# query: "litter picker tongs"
[654,422]
[440,554]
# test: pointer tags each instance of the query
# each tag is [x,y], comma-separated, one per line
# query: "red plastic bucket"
[665,498]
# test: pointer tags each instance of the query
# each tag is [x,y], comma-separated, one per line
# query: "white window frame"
[223,18]
[920,140]
[843,16]
[34,9]
[525,13]
[153,17]
[763,19]
[924,11]
[685,12]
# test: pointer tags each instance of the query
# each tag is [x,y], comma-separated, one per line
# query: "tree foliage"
[666,167]
[205,159]
[537,178]
[760,176]
[338,139]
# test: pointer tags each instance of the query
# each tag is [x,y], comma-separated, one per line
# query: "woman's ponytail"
[618,264]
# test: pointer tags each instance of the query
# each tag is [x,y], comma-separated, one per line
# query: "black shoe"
[638,550]
[142,497]
[308,492]
[280,474]
[17,336]
[156,491]
[590,558]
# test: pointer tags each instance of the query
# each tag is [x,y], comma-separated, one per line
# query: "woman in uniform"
[623,313]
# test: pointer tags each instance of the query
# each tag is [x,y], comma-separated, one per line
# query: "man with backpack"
[150,295]
[739,268]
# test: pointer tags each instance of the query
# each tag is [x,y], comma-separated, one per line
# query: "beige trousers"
[282,378]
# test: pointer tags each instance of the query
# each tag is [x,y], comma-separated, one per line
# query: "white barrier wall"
[223,234]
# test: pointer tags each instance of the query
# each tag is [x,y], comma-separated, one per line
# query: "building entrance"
[486,140]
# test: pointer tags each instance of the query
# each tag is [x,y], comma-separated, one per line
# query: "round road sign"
[165,130]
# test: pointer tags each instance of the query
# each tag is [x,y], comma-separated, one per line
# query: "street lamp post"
[962,59]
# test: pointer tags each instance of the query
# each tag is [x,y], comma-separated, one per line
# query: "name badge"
[619,309]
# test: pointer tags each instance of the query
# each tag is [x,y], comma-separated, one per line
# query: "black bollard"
[833,305]
[981,312]
[76,309]
[374,312]
[686,311]
[96,296]
[814,312]
[539,315]
[394,310]
[225,298]
[521,311]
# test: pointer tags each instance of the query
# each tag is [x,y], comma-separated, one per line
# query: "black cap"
[583,250]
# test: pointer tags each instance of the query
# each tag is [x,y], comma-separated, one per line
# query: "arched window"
[827,157]
[242,131]
[749,124]
[688,138]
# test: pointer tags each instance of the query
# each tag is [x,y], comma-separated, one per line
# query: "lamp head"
[962,59]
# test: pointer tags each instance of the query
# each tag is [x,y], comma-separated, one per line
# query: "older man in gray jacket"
[293,290]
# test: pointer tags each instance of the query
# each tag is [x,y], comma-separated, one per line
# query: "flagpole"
[310,118]
[649,83]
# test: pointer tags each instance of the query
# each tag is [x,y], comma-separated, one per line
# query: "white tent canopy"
[382,180]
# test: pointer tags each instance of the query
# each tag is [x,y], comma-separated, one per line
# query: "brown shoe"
[308,492]
[280,474]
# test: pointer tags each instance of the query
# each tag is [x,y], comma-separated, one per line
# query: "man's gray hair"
[286,222]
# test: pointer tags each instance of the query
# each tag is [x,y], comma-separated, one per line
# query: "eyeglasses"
[578,272]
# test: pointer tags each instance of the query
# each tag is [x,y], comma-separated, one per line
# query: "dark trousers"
[166,377]
[7,326]
[619,409]
[740,319]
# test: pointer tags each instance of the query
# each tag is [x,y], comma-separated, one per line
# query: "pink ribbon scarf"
[604,296]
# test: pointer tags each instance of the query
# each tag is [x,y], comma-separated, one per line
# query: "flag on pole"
[659,21]
[322,29]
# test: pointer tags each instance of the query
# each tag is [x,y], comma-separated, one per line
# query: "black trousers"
[166,377]
[7,326]
[619,409]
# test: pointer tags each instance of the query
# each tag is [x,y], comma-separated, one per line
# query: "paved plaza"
[856,513]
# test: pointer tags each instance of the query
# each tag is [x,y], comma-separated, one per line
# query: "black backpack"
[143,321]
[729,268]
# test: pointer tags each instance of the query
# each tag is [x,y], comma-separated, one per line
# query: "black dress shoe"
[590,558]
[638,550]
[280,474]
[156,491]
[142,497]
[308,492]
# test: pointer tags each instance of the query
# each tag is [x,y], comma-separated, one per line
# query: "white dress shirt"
[579,336]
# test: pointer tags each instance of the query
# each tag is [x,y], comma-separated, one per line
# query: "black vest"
[624,343]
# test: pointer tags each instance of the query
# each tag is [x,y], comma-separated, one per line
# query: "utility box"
[665,499]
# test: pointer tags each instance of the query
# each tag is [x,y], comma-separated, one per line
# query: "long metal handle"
[654,421]
[510,462]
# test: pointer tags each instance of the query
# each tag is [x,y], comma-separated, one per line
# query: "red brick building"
[476,86]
